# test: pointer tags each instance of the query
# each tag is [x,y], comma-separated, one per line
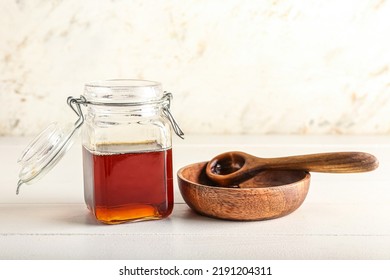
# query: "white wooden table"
[345,216]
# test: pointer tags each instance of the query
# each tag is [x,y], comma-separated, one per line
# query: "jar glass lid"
[44,152]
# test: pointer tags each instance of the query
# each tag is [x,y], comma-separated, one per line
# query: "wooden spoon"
[232,168]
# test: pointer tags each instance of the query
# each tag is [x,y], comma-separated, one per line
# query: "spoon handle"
[342,162]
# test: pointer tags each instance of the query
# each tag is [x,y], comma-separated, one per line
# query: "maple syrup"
[130,186]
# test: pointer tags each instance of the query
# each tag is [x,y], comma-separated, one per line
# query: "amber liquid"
[128,186]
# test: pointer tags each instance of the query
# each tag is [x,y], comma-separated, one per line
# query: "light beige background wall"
[303,67]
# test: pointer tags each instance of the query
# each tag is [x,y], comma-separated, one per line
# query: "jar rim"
[125,91]
[122,83]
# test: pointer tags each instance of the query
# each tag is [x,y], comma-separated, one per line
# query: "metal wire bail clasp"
[74,103]
[166,106]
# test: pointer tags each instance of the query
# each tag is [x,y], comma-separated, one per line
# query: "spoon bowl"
[273,194]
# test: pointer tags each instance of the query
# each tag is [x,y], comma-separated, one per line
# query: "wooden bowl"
[276,194]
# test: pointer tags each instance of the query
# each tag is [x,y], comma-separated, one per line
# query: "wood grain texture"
[277,194]
[236,167]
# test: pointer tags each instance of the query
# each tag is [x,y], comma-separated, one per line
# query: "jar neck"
[139,111]
[125,98]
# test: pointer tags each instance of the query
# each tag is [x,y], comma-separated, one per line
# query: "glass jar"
[126,147]
[127,151]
